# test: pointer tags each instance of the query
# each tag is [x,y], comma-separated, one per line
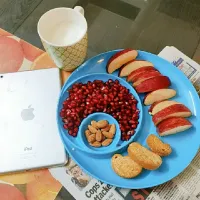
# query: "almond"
[99,136]
[92,129]
[107,128]
[108,134]
[103,137]
[95,144]
[87,134]
[106,142]
[112,129]
[94,124]
[102,123]
[91,138]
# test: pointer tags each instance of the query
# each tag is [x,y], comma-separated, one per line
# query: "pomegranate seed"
[77,123]
[116,82]
[79,91]
[111,96]
[63,110]
[133,126]
[65,126]
[116,99]
[95,100]
[76,129]
[115,93]
[112,103]
[134,116]
[65,121]
[70,124]
[129,133]
[105,102]
[122,128]
[62,114]
[74,134]
[127,127]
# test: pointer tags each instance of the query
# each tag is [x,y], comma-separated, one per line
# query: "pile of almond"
[100,133]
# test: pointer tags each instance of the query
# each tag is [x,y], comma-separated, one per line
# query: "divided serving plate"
[184,145]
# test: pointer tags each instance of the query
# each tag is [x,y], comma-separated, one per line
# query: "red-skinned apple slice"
[145,77]
[145,74]
[177,110]
[173,125]
[154,83]
[138,71]
[159,95]
[120,58]
[132,66]
[152,106]
[162,105]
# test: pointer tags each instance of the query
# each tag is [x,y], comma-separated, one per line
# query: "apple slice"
[176,110]
[132,66]
[120,58]
[145,74]
[173,125]
[138,71]
[145,77]
[154,83]
[162,105]
[159,95]
[152,106]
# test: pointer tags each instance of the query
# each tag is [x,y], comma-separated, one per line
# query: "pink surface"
[18,55]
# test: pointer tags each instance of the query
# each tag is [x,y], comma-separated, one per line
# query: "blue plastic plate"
[80,142]
[185,145]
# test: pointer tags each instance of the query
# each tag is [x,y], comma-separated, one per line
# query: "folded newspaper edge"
[185,186]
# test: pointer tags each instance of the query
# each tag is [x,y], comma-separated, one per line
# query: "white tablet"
[29,136]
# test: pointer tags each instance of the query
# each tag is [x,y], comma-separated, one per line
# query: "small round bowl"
[84,126]
[80,141]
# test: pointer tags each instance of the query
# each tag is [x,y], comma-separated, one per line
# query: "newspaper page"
[186,186]
[189,67]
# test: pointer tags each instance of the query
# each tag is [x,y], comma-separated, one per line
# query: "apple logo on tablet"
[27,114]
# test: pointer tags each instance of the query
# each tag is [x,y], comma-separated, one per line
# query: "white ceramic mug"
[63,32]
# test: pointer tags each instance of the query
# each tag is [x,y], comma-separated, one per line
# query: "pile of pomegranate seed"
[98,96]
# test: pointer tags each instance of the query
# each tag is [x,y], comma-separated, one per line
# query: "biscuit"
[157,146]
[125,167]
[144,157]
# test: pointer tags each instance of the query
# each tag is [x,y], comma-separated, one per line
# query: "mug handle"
[79,9]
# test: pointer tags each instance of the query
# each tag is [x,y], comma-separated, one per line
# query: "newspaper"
[186,186]
[190,68]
